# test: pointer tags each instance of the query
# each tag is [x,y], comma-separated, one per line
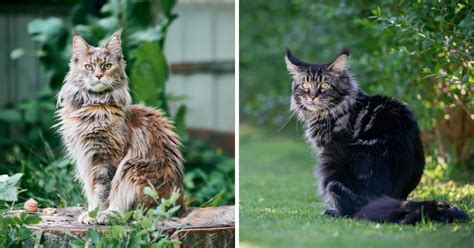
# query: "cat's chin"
[314,108]
[314,112]
[99,88]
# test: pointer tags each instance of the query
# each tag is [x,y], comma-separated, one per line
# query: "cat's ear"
[79,45]
[340,65]
[294,65]
[114,43]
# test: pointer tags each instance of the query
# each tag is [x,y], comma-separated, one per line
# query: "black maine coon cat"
[370,152]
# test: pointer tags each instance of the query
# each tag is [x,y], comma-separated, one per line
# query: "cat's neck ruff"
[79,98]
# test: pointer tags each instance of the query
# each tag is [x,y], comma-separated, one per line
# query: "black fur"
[370,152]
[387,209]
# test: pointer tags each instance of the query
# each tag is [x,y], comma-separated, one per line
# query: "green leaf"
[180,120]
[148,35]
[134,9]
[149,74]
[8,189]
[116,232]
[15,178]
[24,233]
[9,194]
[78,243]
[10,115]
[166,6]
[127,216]
[151,192]
[44,30]
[17,53]
[94,213]
[32,219]
[173,209]
[93,235]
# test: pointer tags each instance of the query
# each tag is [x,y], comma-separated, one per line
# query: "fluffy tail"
[205,217]
[386,209]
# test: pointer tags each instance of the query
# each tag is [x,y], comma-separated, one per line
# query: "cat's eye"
[89,67]
[106,66]
[325,86]
[306,85]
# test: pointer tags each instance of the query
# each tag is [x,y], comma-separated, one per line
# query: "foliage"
[136,228]
[33,148]
[437,38]
[8,189]
[285,211]
[209,178]
[46,176]
[417,51]
[13,230]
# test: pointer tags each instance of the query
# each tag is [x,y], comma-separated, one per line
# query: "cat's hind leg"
[125,189]
[343,200]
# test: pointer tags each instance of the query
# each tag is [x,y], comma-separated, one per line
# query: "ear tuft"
[346,51]
[79,45]
[114,43]
[340,64]
[294,65]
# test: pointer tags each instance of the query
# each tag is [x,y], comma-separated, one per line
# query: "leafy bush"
[13,230]
[417,51]
[209,178]
[136,228]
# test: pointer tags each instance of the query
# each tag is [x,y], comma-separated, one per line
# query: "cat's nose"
[99,75]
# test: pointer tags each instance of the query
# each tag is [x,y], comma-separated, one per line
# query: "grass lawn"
[279,206]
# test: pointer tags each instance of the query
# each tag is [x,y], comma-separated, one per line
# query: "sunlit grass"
[280,208]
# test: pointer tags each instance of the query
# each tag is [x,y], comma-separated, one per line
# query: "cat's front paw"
[84,218]
[106,217]
[331,213]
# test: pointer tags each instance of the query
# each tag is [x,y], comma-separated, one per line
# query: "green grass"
[279,206]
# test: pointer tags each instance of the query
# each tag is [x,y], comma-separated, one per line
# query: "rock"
[31,205]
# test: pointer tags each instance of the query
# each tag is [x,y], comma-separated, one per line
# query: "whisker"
[286,122]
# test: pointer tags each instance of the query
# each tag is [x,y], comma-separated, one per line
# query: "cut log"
[202,227]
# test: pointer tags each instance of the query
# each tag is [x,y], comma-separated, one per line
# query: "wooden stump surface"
[203,227]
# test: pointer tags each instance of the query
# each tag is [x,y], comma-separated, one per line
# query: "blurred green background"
[164,70]
[417,51]
[420,52]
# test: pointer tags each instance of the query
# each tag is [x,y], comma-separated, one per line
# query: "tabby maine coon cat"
[370,153]
[118,148]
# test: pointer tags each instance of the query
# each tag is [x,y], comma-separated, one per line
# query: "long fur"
[369,147]
[118,148]
[386,209]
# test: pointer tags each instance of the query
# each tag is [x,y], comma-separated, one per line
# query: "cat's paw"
[331,213]
[84,218]
[106,217]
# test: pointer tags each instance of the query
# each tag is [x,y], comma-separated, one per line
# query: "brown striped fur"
[118,148]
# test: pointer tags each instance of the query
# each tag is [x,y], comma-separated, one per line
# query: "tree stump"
[204,227]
